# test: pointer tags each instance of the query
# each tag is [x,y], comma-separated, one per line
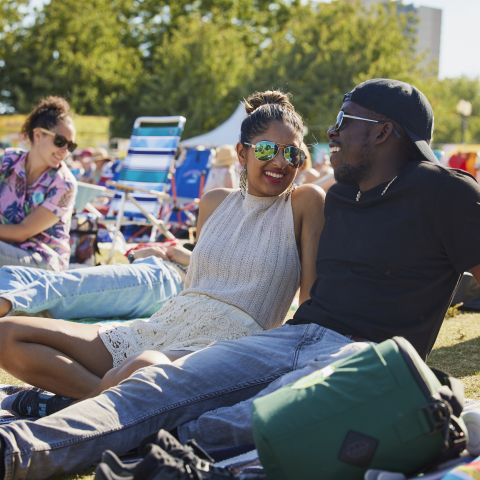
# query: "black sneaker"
[117,466]
[164,459]
[190,451]
[38,403]
[155,465]
[194,457]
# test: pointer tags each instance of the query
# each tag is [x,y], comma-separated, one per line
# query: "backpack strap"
[452,391]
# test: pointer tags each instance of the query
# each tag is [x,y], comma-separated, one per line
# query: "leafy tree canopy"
[126,58]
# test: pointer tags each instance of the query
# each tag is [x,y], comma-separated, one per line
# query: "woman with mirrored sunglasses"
[37,190]
[256,248]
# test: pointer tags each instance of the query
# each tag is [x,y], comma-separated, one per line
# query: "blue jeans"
[12,255]
[107,291]
[226,374]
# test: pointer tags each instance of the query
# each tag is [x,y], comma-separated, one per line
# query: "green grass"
[457,352]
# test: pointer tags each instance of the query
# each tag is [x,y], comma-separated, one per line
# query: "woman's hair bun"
[46,114]
[257,99]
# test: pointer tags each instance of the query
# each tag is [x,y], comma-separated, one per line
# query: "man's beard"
[351,175]
[354,174]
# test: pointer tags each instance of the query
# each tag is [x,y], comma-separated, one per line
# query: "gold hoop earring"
[243,182]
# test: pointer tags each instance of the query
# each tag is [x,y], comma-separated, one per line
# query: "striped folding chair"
[144,180]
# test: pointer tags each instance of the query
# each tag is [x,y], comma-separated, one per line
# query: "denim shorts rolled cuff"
[21,304]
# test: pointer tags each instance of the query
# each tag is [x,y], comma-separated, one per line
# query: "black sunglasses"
[266,150]
[341,115]
[60,141]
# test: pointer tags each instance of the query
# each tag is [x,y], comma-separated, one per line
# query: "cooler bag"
[381,408]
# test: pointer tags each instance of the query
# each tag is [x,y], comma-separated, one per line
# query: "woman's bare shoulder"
[211,200]
[307,195]
[214,197]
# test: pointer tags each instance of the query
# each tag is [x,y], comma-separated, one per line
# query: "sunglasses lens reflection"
[266,151]
[294,156]
[338,123]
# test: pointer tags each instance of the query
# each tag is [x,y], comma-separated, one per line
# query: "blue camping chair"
[187,187]
[144,180]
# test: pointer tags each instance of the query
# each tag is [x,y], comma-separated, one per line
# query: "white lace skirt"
[186,322]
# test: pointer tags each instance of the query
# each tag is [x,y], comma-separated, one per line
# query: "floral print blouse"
[54,190]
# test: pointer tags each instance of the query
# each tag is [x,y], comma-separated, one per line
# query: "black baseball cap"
[401,102]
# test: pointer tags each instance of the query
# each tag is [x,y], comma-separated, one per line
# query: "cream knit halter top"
[247,256]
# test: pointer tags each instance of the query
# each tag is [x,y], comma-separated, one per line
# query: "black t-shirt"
[388,264]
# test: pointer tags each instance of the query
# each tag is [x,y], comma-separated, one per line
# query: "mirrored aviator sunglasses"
[266,151]
[60,141]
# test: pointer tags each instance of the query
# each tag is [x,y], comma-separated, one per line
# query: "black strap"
[454,394]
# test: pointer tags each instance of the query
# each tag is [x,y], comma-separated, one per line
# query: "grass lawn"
[457,351]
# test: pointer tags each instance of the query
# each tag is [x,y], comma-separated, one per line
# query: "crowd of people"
[92,165]
[380,255]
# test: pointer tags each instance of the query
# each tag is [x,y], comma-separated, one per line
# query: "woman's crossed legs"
[66,358]
[57,355]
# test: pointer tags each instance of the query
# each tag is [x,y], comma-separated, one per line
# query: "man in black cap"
[399,231]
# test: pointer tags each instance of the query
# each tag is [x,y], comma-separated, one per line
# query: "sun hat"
[401,102]
[100,154]
[225,156]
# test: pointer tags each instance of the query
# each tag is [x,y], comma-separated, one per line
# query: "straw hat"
[225,156]
[100,154]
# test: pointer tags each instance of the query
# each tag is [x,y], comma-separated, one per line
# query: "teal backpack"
[381,408]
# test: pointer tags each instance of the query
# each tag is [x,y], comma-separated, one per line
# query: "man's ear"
[241,153]
[384,131]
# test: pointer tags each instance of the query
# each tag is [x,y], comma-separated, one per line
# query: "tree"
[128,58]
[74,49]
[11,15]
[444,96]
[328,48]
[198,57]
[196,72]
[12,12]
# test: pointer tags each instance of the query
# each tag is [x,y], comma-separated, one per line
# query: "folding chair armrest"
[129,189]
[186,201]
[87,192]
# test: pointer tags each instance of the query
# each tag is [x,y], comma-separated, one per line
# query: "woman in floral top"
[37,191]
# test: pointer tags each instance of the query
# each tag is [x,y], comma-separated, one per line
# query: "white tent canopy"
[227,133]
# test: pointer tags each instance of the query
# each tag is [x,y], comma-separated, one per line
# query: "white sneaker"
[472,422]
